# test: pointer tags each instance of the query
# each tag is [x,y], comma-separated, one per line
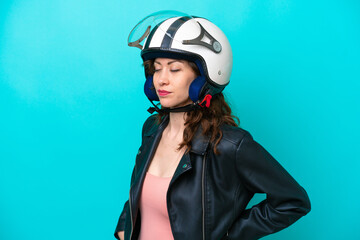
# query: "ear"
[149,89]
[195,88]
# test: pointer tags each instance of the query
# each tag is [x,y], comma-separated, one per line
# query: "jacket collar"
[199,143]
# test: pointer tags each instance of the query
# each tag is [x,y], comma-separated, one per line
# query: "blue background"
[72,107]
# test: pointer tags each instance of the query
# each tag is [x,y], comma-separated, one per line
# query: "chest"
[166,158]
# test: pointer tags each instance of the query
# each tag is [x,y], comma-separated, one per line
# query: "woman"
[196,170]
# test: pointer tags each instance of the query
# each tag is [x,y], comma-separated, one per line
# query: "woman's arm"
[286,200]
[120,227]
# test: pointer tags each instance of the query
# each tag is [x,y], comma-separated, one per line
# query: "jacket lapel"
[200,142]
[152,136]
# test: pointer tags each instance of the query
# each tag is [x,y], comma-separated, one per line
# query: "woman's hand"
[121,235]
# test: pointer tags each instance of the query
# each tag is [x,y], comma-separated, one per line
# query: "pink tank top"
[155,223]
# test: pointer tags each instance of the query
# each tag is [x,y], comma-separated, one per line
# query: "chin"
[173,105]
[173,102]
[167,105]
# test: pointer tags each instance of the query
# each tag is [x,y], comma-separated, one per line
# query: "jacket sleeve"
[286,201]
[121,222]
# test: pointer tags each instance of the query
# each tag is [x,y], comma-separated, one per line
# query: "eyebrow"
[170,62]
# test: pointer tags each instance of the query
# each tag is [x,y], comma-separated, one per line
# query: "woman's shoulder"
[151,120]
[150,125]
[234,134]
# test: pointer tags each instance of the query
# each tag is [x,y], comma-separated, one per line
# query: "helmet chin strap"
[187,108]
[190,107]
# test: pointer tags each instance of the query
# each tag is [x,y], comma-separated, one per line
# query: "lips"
[163,92]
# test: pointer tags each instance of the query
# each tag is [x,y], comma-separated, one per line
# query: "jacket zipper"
[131,218]
[203,196]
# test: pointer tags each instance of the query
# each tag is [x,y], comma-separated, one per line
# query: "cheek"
[185,90]
[190,80]
[155,83]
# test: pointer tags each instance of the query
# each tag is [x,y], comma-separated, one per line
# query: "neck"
[176,126]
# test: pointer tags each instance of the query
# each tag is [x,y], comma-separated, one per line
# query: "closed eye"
[175,70]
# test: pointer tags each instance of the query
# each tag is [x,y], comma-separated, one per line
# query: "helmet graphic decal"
[170,33]
[214,45]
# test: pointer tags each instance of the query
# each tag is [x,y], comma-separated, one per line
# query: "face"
[172,79]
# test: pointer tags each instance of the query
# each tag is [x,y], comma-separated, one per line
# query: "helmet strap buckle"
[207,100]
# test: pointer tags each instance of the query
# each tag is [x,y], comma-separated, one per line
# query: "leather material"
[208,194]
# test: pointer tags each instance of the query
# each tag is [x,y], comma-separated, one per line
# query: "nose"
[162,77]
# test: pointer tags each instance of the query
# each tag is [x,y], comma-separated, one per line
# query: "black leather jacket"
[208,194]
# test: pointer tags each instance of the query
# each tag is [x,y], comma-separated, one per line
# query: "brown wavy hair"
[210,118]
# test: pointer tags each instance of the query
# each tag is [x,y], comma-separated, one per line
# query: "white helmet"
[176,35]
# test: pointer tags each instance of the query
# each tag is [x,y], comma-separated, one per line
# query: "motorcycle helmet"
[176,35]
